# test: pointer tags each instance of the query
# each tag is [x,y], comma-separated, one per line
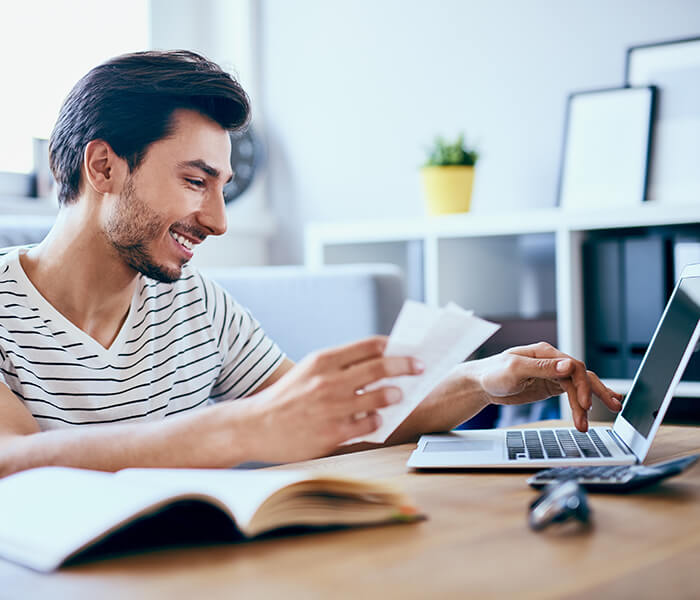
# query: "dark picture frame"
[673,67]
[605,156]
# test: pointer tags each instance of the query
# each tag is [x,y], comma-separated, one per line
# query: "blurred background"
[348,94]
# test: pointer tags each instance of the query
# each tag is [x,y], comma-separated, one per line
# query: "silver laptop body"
[626,442]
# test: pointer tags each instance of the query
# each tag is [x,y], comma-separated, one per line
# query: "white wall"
[353,90]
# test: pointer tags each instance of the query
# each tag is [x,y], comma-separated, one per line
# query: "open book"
[52,515]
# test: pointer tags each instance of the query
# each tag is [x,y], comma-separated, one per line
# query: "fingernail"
[563,365]
[418,365]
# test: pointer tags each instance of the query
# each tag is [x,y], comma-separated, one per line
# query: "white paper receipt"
[441,338]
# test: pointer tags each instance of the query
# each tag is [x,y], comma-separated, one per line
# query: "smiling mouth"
[182,240]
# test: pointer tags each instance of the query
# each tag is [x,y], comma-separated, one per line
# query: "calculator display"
[656,373]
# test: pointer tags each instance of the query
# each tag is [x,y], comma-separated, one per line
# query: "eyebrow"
[203,166]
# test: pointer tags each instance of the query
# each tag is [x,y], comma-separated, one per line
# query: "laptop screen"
[656,373]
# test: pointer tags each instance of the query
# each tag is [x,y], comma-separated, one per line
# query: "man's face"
[173,200]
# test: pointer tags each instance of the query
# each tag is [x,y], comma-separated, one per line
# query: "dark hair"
[128,102]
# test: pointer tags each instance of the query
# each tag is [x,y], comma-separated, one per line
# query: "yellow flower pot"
[448,189]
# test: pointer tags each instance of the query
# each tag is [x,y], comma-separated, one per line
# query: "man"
[115,353]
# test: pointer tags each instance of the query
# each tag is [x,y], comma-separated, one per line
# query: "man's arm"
[303,415]
[517,376]
[286,366]
[201,438]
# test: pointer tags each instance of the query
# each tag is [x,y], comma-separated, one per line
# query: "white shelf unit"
[477,259]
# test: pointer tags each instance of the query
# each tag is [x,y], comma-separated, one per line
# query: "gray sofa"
[306,309]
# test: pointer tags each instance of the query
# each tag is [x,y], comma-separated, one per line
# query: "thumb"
[564,366]
[549,368]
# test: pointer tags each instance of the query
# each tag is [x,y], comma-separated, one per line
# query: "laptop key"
[515,440]
[567,443]
[515,445]
[585,444]
[551,447]
[599,443]
[534,446]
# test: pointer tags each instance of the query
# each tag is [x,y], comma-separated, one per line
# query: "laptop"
[626,442]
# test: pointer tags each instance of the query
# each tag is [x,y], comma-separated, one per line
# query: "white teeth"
[182,240]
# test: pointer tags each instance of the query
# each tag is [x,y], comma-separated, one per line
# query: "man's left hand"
[538,371]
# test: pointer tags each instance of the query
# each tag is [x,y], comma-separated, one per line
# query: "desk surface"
[475,543]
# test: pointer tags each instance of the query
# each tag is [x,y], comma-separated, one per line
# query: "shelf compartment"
[407,254]
[498,276]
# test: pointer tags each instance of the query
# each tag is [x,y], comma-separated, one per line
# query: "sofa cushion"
[305,309]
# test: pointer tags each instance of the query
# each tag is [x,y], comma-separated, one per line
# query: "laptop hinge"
[620,442]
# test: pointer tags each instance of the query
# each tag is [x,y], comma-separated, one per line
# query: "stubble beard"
[131,229]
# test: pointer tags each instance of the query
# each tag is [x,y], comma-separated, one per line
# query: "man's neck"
[79,273]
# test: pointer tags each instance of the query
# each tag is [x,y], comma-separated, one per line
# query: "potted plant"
[448,176]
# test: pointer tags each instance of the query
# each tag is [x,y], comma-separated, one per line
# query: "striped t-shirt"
[183,345]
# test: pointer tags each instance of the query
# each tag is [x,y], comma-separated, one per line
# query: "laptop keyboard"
[554,443]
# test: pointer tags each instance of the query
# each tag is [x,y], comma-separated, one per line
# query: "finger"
[579,376]
[553,369]
[571,369]
[526,367]
[610,398]
[579,415]
[370,401]
[518,374]
[369,371]
[345,356]
[352,427]
[548,362]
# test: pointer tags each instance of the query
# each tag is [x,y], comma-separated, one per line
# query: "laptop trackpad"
[459,446]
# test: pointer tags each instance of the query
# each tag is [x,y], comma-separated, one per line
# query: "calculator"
[614,478]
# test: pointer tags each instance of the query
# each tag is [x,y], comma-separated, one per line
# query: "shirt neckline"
[50,311]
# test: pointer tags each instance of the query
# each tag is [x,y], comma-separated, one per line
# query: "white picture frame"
[673,67]
[606,148]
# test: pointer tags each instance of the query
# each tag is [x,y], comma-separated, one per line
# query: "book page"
[242,491]
[50,512]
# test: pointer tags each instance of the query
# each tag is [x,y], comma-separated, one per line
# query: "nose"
[212,215]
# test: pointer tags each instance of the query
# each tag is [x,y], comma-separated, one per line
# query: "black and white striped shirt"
[183,345]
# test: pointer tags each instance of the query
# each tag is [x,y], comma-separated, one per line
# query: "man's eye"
[195,182]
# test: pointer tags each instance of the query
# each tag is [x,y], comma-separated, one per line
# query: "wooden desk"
[475,543]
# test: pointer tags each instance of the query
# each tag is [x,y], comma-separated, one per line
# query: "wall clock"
[246,158]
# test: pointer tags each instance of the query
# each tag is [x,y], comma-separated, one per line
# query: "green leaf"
[444,153]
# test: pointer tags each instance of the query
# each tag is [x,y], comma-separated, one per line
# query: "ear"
[105,172]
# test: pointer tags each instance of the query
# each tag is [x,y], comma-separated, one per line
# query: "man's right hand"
[320,403]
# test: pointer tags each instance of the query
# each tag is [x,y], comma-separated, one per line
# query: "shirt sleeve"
[248,355]
[3,367]
[6,366]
